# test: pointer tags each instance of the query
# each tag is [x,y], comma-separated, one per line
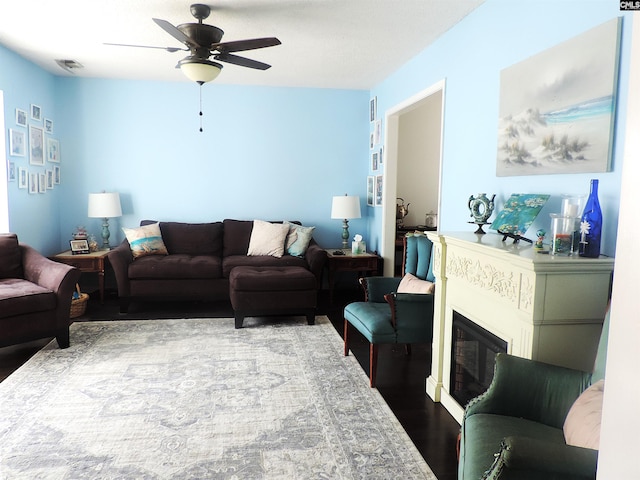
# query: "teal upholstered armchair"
[387,316]
[515,429]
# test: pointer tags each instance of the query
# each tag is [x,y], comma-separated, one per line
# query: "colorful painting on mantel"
[557,108]
[518,213]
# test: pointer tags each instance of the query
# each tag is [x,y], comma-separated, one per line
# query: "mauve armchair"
[35,294]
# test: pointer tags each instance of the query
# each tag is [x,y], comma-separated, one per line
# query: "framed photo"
[33,182]
[79,246]
[49,174]
[42,183]
[36,112]
[380,157]
[53,150]
[21,118]
[11,171]
[56,174]
[36,145]
[373,109]
[378,190]
[374,161]
[48,126]
[377,132]
[17,145]
[370,189]
[23,178]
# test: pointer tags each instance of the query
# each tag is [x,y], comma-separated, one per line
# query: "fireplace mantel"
[547,308]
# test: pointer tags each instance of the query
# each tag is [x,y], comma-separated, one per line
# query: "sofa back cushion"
[191,238]
[10,256]
[237,234]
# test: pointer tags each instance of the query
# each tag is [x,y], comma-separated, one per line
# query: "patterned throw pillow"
[145,240]
[298,239]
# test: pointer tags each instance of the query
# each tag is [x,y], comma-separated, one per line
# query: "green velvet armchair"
[515,429]
[390,317]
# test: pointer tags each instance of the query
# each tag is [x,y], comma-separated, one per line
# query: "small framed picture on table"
[79,246]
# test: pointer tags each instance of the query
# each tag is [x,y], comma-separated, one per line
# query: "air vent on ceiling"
[69,65]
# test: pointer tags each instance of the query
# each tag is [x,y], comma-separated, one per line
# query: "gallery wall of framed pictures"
[375,181]
[34,152]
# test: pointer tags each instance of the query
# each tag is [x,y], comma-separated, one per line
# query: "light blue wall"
[283,152]
[268,153]
[35,218]
[470,57]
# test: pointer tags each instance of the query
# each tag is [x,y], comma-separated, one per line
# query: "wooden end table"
[93,262]
[366,263]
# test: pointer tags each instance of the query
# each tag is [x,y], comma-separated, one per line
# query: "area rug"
[198,399]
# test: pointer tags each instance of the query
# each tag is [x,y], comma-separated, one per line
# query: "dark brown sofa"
[35,294]
[201,257]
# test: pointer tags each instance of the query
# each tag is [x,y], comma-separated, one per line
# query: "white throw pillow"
[582,425]
[267,239]
[412,284]
[145,240]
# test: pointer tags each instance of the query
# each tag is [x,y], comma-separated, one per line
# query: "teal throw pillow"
[298,239]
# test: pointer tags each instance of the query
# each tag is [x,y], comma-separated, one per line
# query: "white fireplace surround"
[548,308]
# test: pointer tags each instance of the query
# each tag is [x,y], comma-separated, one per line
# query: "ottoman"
[272,291]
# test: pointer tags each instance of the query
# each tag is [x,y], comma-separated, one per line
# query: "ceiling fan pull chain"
[201,107]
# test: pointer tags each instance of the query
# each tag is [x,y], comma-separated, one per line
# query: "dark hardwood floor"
[400,380]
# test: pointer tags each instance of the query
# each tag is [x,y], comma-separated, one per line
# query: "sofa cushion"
[229,263]
[271,279]
[10,256]
[145,240]
[582,425]
[236,236]
[191,238]
[298,239]
[176,266]
[18,296]
[267,239]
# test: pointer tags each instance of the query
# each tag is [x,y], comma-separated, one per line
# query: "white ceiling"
[351,44]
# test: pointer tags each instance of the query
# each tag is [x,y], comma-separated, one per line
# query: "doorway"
[413,164]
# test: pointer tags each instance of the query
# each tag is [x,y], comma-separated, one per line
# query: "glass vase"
[591,225]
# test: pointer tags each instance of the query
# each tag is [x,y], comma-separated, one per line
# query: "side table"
[367,263]
[93,262]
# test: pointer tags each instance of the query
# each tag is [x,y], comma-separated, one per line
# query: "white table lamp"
[345,207]
[105,205]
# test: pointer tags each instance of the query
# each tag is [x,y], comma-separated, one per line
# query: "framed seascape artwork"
[518,213]
[36,145]
[557,108]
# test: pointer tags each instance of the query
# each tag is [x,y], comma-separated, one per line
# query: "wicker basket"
[78,305]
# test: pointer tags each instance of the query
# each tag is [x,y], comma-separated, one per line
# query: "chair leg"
[373,364]
[407,348]
[346,338]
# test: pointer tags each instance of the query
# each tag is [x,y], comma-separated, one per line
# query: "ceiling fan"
[203,41]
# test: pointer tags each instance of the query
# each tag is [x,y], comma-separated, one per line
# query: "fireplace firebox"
[473,354]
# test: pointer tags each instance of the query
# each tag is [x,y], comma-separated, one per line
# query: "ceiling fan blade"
[168,49]
[242,61]
[174,32]
[242,45]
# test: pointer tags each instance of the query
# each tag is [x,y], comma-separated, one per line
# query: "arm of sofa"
[316,257]
[532,390]
[120,258]
[57,277]
[543,460]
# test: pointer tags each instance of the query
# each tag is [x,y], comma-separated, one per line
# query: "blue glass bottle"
[591,225]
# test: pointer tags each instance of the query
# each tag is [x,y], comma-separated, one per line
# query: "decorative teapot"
[481,207]
[402,210]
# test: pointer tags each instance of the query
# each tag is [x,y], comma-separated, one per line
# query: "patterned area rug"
[198,399]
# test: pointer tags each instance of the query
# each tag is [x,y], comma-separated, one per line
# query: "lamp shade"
[199,70]
[345,207]
[104,205]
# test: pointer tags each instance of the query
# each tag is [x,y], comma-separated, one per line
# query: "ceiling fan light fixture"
[199,70]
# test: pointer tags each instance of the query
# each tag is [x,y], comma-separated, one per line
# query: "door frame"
[389,193]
